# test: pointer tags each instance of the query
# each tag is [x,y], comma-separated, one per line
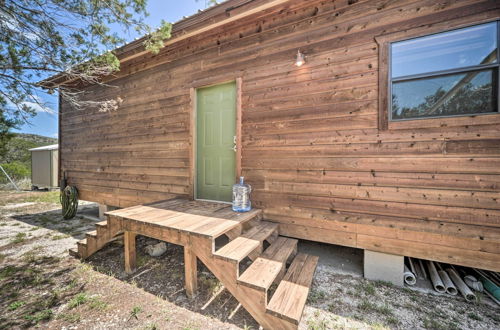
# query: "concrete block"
[102,209]
[384,267]
[105,208]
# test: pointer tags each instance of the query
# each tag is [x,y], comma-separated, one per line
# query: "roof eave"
[221,14]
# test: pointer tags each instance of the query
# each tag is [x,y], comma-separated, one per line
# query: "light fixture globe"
[300,59]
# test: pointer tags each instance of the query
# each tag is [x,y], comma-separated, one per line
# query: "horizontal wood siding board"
[425,196]
[483,260]
[353,136]
[458,182]
[311,142]
[419,211]
[481,165]
[466,148]
[362,223]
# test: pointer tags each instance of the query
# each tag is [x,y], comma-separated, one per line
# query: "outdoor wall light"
[301,59]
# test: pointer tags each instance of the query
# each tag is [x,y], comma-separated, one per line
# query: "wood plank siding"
[312,144]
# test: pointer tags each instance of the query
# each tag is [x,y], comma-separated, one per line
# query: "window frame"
[441,73]
[385,42]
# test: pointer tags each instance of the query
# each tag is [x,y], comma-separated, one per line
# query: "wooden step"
[270,266]
[91,233]
[74,252]
[96,239]
[244,221]
[249,242]
[82,248]
[91,238]
[290,297]
[102,229]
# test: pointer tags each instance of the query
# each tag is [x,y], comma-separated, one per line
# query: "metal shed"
[44,166]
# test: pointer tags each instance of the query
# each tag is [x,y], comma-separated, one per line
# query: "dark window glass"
[449,95]
[449,50]
[446,74]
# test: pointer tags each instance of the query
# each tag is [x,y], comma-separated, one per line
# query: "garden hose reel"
[69,202]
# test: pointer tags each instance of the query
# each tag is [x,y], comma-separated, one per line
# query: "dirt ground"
[41,286]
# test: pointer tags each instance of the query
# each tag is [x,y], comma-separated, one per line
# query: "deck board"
[209,219]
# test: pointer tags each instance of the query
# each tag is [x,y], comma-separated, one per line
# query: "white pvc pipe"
[448,284]
[461,286]
[412,267]
[473,283]
[435,279]
[422,268]
[409,277]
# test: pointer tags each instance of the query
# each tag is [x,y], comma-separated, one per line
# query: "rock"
[156,250]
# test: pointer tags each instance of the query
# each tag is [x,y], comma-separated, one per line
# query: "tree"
[42,38]
[18,150]
[5,135]
[209,3]
[470,98]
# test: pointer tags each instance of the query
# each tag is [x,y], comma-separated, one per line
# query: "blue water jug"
[241,196]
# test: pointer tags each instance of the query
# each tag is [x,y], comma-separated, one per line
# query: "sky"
[45,122]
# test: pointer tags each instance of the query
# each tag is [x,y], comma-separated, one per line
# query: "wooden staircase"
[275,261]
[95,240]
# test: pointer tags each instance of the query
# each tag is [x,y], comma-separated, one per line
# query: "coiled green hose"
[69,202]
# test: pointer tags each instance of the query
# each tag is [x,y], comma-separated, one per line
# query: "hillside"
[18,147]
[39,140]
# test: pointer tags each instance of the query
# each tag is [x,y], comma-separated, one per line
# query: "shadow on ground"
[33,288]
[164,277]
[53,220]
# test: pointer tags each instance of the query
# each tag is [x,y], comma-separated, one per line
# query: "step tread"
[245,218]
[265,269]
[102,223]
[290,297]
[82,242]
[92,233]
[242,246]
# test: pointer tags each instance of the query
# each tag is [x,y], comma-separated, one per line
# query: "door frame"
[195,85]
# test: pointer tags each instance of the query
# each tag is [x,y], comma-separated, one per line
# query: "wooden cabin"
[386,138]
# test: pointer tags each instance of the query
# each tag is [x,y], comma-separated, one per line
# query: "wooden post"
[190,270]
[129,244]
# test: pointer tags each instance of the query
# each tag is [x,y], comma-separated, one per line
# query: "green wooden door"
[215,135]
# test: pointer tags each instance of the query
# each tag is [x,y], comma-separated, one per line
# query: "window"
[453,73]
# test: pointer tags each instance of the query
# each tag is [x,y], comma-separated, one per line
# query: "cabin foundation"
[103,208]
[384,267]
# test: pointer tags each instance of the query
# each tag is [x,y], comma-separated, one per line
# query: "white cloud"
[55,135]
[36,103]
[38,107]
[13,25]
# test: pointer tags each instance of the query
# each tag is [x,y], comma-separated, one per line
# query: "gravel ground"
[40,285]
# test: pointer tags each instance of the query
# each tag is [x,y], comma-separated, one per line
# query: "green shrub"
[16,170]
